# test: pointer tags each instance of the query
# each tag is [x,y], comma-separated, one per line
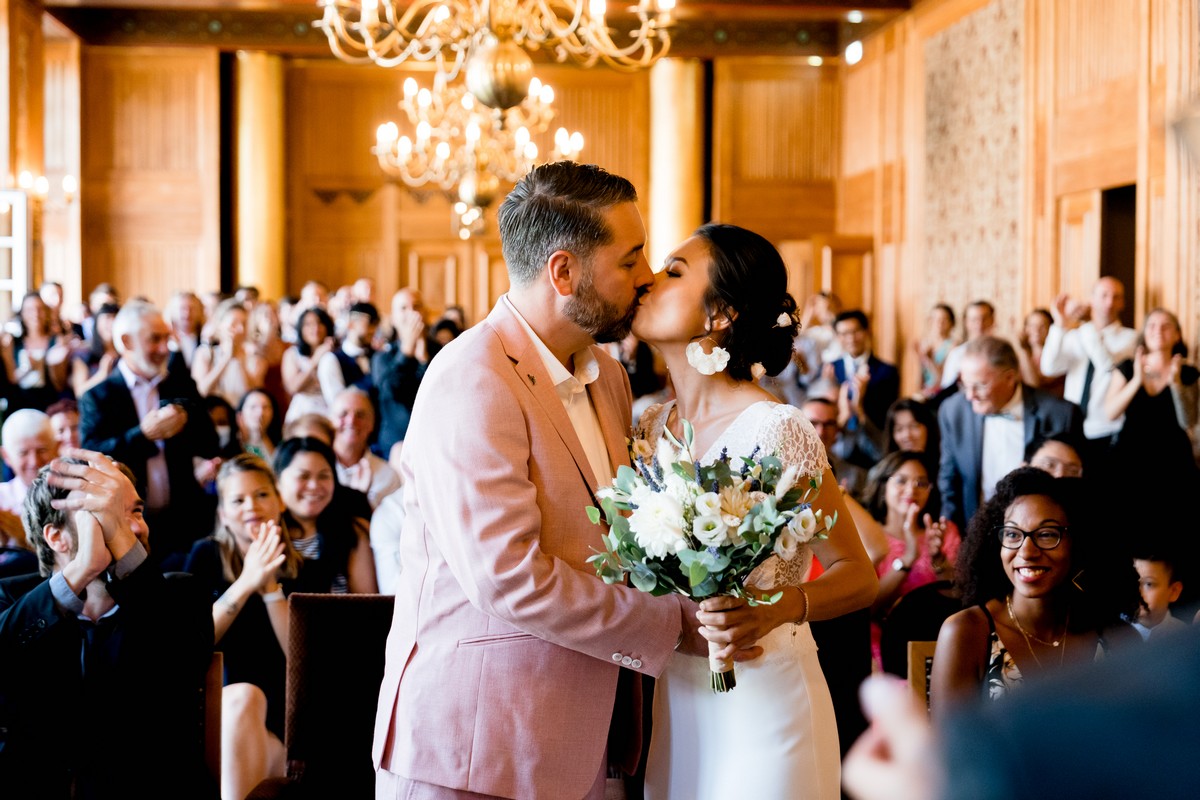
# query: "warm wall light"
[25,180]
[815,61]
[70,187]
[854,17]
[854,52]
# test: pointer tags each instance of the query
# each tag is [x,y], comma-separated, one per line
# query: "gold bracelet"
[803,617]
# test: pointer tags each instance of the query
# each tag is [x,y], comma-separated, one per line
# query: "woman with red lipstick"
[1041,587]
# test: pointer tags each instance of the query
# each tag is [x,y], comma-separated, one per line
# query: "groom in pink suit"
[510,665]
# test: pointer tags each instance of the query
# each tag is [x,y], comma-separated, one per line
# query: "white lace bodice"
[776,429]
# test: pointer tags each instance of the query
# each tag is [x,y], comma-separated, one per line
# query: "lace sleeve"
[789,434]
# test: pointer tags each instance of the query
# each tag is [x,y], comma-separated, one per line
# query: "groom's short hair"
[555,207]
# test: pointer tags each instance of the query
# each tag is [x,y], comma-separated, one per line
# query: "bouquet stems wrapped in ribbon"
[675,525]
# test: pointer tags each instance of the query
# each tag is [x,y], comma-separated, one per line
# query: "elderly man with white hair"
[27,443]
[149,416]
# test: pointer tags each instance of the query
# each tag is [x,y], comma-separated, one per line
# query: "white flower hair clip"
[757,370]
[783,321]
[707,363]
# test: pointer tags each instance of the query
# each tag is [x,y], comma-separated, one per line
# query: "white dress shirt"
[1069,352]
[145,399]
[572,391]
[1003,444]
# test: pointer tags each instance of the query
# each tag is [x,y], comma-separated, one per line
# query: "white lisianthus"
[708,505]
[786,480]
[787,544]
[804,525]
[657,524]
[680,489]
[710,530]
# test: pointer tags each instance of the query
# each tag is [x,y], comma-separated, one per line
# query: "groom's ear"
[561,267]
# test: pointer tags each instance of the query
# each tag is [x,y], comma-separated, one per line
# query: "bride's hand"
[734,623]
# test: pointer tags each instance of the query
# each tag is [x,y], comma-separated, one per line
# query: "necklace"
[1028,636]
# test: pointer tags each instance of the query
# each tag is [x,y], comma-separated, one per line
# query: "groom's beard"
[604,321]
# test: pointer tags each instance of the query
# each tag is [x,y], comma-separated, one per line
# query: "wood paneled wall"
[151,172]
[347,220]
[776,127]
[1100,80]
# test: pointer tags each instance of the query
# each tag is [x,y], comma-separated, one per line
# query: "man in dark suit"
[151,418]
[987,425]
[867,388]
[101,656]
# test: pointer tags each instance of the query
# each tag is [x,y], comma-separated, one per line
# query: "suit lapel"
[532,373]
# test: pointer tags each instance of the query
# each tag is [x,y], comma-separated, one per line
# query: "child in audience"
[1160,588]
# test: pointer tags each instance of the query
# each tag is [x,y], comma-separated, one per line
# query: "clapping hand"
[264,557]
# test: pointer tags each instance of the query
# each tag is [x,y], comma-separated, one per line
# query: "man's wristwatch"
[898,565]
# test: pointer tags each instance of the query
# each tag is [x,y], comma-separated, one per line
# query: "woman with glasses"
[1041,588]
[902,498]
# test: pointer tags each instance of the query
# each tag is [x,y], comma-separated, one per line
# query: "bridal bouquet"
[675,525]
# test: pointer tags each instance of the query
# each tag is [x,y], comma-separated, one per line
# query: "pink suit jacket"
[505,648]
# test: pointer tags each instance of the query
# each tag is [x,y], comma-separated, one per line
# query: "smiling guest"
[987,426]
[1042,587]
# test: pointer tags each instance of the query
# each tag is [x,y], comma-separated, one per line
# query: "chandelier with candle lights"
[466,149]
[491,37]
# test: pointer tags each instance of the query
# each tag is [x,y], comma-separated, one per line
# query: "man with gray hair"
[27,443]
[989,422]
[101,643]
[150,417]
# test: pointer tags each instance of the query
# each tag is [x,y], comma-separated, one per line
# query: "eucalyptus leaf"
[593,514]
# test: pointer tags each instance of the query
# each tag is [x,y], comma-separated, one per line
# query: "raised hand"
[264,557]
[97,487]
[163,423]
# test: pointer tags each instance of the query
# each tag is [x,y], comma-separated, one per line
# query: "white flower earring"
[707,363]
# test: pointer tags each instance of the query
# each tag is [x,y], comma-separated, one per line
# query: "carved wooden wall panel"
[150,163]
[775,153]
[60,216]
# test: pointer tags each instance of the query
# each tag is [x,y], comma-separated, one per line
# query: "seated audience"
[227,364]
[37,361]
[64,418]
[350,363]
[357,467]
[1043,586]
[398,368]
[988,424]
[314,341]
[902,499]
[1056,455]
[259,425]
[822,414]
[27,444]
[336,547]
[911,424]
[101,643]
[185,315]
[933,347]
[96,361]
[248,567]
[1030,344]
[1161,588]
[149,417]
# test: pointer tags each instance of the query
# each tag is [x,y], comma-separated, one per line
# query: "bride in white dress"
[719,313]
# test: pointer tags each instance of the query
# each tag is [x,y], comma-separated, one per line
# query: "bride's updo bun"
[748,285]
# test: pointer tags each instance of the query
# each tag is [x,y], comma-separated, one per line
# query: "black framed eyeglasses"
[1047,537]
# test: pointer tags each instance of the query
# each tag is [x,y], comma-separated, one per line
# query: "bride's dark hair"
[748,286]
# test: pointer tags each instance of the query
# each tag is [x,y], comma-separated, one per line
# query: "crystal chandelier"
[491,37]
[466,149]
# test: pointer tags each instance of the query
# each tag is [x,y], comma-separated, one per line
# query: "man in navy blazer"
[151,418]
[867,388]
[987,425]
